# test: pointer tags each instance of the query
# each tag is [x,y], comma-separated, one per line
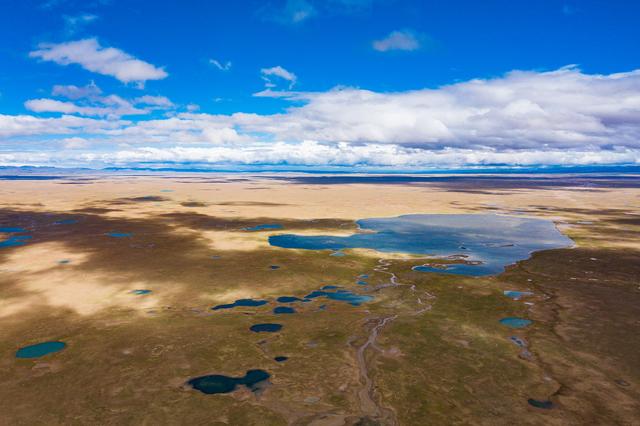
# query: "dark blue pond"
[517,295]
[241,302]
[518,341]
[15,240]
[515,322]
[341,296]
[545,404]
[493,241]
[40,349]
[274,267]
[119,234]
[216,383]
[329,287]
[281,358]
[264,226]
[141,292]
[65,222]
[283,310]
[288,299]
[266,328]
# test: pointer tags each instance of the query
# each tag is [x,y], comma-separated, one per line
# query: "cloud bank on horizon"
[563,116]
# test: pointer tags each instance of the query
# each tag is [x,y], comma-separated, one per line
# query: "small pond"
[241,303]
[40,349]
[217,383]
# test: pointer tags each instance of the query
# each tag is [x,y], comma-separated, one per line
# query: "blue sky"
[352,83]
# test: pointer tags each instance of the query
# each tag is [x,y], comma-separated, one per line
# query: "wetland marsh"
[502,307]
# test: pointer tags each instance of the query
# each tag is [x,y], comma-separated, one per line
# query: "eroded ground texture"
[125,270]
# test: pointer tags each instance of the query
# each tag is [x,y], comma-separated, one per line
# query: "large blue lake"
[489,242]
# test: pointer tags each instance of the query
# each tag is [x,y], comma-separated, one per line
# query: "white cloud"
[293,12]
[102,60]
[226,66]
[74,92]
[315,154]
[28,125]
[525,117]
[73,24]
[520,110]
[154,101]
[53,105]
[397,40]
[278,71]
[89,101]
[75,143]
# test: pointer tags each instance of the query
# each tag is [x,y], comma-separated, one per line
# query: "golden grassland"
[443,357]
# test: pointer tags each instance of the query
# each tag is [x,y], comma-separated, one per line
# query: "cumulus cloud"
[90,55]
[316,154]
[161,102]
[74,92]
[89,101]
[523,109]
[524,117]
[398,40]
[118,109]
[277,71]
[75,143]
[28,125]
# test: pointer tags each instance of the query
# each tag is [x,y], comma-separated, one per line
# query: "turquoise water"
[341,296]
[64,262]
[264,226]
[241,302]
[40,349]
[491,241]
[266,328]
[516,295]
[119,234]
[283,310]
[141,292]
[216,383]
[514,322]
